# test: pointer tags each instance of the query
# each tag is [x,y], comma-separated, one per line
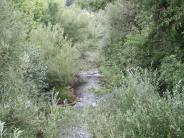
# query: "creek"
[85,91]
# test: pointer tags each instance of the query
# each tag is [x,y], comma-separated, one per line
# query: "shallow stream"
[85,92]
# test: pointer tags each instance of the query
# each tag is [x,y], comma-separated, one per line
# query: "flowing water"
[85,92]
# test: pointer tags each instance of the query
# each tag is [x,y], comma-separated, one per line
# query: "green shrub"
[16,133]
[120,17]
[11,36]
[171,72]
[80,27]
[136,110]
[57,53]
[35,8]
[65,93]
[34,69]
[22,78]
[94,4]
[31,115]
[111,76]
[17,109]
[145,33]
[119,22]
[74,21]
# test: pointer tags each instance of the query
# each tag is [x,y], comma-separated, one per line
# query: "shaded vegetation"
[38,59]
[144,34]
[137,44]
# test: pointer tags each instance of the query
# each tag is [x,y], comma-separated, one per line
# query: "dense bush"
[171,72]
[119,23]
[144,33]
[35,8]
[34,67]
[18,110]
[57,53]
[74,22]
[80,27]
[94,4]
[11,36]
[43,44]
[136,110]
[23,109]
[148,34]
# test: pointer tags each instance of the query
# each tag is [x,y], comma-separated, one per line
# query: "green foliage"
[75,26]
[31,115]
[111,76]
[123,38]
[63,66]
[22,78]
[120,21]
[34,67]
[94,4]
[172,72]
[10,46]
[51,11]
[33,8]
[74,21]
[52,127]
[65,93]
[147,34]
[16,132]
[80,27]
[136,110]
[144,34]
[42,44]
[57,53]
